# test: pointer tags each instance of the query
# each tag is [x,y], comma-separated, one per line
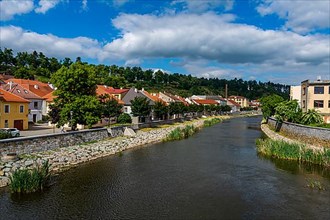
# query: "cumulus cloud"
[22,40]
[45,5]
[300,16]
[212,37]
[204,5]
[10,8]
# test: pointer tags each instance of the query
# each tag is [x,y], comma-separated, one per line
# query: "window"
[21,109]
[35,105]
[7,108]
[329,104]
[318,103]
[304,91]
[6,124]
[318,90]
[304,104]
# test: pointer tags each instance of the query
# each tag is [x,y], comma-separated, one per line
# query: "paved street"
[39,129]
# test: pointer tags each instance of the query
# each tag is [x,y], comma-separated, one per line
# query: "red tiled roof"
[20,91]
[101,90]
[183,100]
[9,97]
[236,97]
[39,88]
[234,103]
[205,101]
[154,98]
[49,97]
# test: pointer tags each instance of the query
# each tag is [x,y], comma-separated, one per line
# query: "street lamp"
[71,114]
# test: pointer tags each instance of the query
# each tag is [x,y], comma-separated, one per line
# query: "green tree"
[124,118]
[269,103]
[110,106]
[160,110]
[288,111]
[76,95]
[141,107]
[311,117]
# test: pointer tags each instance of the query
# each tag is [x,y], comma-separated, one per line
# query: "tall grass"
[181,133]
[27,181]
[290,151]
[210,122]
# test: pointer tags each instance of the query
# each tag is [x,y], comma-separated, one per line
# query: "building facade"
[316,95]
[295,94]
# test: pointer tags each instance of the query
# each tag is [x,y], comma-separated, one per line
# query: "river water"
[216,174]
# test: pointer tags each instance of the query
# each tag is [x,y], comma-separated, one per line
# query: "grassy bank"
[27,181]
[210,122]
[181,133]
[290,151]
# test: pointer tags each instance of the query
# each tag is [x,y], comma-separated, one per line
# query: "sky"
[283,41]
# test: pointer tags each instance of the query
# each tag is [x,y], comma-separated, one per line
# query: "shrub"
[27,181]
[181,133]
[124,118]
[4,135]
[210,122]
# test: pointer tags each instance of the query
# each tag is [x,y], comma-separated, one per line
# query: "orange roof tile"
[9,97]
[233,103]
[206,101]
[39,88]
[101,90]
[154,98]
[50,97]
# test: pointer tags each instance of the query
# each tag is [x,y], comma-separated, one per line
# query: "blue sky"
[277,40]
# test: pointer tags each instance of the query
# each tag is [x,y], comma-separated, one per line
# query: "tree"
[311,117]
[85,110]
[269,103]
[160,110]
[141,106]
[124,118]
[76,95]
[288,111]
[110,106]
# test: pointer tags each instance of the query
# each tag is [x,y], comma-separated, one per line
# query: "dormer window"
[26,91]
[19,91]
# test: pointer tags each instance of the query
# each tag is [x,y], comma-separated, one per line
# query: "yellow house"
[242,101]
[316,95]
[14,111]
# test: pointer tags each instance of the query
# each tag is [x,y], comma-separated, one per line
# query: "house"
[38,88]
[295,94]
[36,102]
[132,94]
[235,107]
[316,95]
[118,93]
[205,102]
[14,111]
[102,90]
[242,101]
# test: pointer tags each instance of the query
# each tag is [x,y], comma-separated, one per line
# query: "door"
[18,124]
[34,118]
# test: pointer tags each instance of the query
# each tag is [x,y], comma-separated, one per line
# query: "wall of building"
[14,114]
[308,134]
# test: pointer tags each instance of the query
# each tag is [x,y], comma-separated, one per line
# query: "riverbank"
[67,157]
[282,147]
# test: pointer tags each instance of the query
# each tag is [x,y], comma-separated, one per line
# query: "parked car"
[14,132]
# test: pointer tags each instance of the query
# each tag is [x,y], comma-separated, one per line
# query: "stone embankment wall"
[69,156]
[306,134]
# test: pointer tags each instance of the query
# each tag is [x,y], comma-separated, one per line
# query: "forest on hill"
[37,66]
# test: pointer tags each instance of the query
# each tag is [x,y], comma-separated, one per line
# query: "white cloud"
[301,16]
[9,8]
[45,5]
[21,40]
[119,3]
[203,5]
[212,37]
[84,5]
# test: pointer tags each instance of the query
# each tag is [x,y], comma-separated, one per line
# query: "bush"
[27,181]
[4,135]
[124,118]
[181,133]
[210,122]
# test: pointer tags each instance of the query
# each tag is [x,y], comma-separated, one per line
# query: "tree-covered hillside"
[36,65]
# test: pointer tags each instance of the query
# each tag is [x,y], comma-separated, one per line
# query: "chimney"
[10,84]
[135,90]
[226,91]
[142,89]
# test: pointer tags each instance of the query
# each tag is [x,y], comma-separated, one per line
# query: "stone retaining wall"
[308,134]
[60,158]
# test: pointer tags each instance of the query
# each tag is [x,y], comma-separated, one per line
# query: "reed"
[293,151]
[27,181]
[210,122]
[181,133]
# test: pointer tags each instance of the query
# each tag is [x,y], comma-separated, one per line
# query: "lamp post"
[71,114]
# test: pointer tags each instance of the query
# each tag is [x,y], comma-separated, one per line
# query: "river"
[216,174]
